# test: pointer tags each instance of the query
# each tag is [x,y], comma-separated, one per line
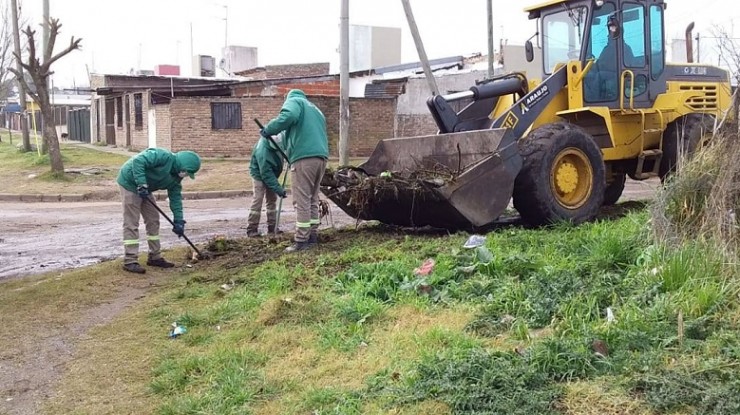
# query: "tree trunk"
[52,142]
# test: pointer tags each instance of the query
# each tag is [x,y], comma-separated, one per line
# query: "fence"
[78,125]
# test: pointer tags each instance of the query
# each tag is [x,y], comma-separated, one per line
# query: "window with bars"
[138,112]
[226,115]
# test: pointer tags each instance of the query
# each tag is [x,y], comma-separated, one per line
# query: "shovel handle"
[161,212]
[282,153]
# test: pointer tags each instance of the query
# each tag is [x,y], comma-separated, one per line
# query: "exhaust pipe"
[690,43]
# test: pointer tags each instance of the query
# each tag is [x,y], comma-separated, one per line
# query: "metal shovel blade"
[480,168]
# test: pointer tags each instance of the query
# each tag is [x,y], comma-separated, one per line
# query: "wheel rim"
[571,178]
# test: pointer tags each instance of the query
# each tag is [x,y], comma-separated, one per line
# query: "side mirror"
[529,51]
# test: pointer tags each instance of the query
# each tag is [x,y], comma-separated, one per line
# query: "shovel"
[200,254]
[285,176]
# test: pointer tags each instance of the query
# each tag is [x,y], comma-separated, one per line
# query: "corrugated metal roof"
[385,89]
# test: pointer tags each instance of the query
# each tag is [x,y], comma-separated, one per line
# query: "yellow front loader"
[609,107]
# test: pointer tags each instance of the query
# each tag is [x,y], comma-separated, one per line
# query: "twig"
[459,160]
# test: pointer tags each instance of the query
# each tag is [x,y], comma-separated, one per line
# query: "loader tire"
[614,190]
[563,178]
[682,139]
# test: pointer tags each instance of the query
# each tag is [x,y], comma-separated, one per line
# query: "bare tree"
[6,50]
[728,49]
[40,73]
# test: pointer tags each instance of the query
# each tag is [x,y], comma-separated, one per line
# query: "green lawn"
[519,326]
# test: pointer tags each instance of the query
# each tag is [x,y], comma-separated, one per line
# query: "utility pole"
[489,4]
[698,47]
[344,84]
[19,68]
[226,26]
[45,26]
[46,55]
[192,55]
[420,47]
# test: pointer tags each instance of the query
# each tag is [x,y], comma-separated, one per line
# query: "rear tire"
[563,177]
[682,139]
[614,190]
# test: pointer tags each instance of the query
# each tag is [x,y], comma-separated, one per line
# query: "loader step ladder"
[650,157]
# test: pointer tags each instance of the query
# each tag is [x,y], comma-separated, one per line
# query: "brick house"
[215,117]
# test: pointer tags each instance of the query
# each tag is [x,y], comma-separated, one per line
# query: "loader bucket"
[453,181]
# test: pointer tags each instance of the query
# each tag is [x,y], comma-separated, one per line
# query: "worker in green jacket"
[307,148]
[265,167]
[151,170]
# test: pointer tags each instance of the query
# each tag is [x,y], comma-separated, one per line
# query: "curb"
[112,196]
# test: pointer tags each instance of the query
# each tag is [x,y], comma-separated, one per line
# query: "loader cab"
[623,38]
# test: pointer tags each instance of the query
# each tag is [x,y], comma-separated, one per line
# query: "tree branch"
[19,76]
[33,61]
[54,27]
[74,44]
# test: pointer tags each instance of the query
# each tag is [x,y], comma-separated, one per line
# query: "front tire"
[614,190]
[563,177]
[682,139]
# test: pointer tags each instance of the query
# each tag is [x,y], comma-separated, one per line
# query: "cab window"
[563,35]
[657,61]
[633,35]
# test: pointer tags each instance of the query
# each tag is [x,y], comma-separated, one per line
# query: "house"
[126,108]
[216,117]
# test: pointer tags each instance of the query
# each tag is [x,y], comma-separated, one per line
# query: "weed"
[478,381]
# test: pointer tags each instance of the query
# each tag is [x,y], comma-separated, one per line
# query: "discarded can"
[475,241]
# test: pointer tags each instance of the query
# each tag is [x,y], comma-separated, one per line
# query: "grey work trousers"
[260,192]
[306,180]
[134,207]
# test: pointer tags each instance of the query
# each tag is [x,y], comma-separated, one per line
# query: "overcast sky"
[122,35]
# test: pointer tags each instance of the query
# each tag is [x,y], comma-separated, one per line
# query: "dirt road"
[42,237]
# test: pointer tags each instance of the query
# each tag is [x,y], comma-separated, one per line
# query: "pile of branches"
[360,189]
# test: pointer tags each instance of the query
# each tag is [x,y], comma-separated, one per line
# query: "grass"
[27,173]
[512,327]
[613,317]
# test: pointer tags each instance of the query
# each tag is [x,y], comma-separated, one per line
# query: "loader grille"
[709,101]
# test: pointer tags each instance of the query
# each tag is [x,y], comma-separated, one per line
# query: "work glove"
[143,191]
[282,193]
[179,227]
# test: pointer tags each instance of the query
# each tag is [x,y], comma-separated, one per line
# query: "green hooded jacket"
[304,125]
[158,169]
[266,165]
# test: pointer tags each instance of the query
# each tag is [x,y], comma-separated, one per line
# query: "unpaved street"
[41,237]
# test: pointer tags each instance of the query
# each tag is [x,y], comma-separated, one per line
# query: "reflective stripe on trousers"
[134,207]
[260,192]
[306,180]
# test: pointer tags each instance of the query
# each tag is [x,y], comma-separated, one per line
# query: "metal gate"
[78,125]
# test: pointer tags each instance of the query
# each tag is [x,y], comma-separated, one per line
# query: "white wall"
[414,101]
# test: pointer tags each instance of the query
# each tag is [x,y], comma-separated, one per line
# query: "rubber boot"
[134,268]
[160,263]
